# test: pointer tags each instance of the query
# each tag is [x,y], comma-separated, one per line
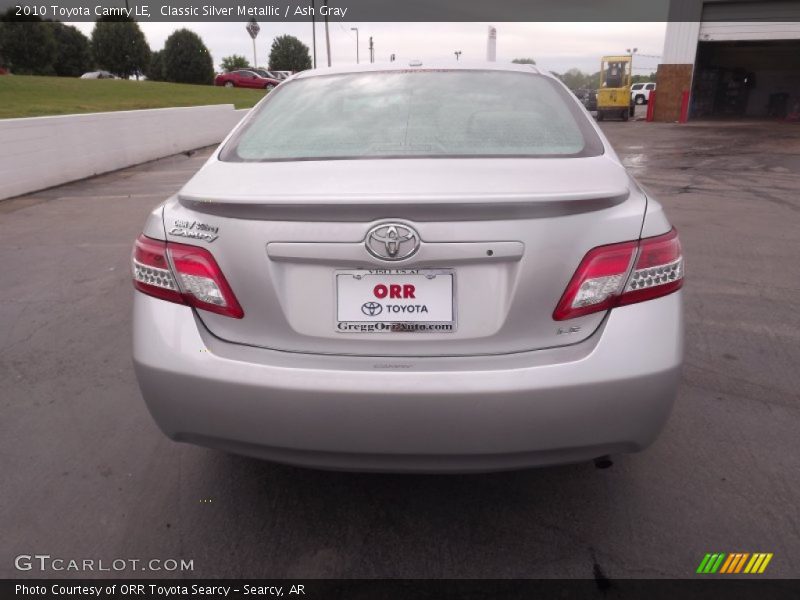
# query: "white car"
[640,92]
[98,75]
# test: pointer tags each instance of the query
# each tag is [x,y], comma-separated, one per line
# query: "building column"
[674,75]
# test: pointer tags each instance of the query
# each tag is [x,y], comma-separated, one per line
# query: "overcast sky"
[554,46]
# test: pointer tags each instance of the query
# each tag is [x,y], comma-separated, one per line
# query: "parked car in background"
[408,268]
[246,78]
[640,92]
[277,75]
[588,98]
[98,75]
[590,102]
[580,93]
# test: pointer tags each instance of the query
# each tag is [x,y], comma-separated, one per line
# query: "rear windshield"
[412,114]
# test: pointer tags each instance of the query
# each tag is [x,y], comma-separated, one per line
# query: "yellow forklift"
[614,95]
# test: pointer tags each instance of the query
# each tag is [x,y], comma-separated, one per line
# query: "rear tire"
[625,115]
[229,84]
[639,99]
[269,87]
[600,115]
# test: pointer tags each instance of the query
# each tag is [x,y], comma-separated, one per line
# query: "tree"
[575,79]
[155,68]
[524,61]
[289,54]
[644,78]
[73,51]
[27,45]
[186,59]
[119,46]
[233,62]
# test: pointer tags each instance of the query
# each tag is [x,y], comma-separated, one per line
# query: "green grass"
[26,96]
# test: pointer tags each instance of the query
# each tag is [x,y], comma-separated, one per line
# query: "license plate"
[396,300]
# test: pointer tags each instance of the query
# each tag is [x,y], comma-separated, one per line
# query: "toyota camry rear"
[411,268]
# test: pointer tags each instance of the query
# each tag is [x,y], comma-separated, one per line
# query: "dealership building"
[730,59]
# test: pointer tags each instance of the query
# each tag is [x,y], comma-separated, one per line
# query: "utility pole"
[458,54]
[327,36]
[391,57]
[356,30]
[253,28]
[371,50]
[314,33]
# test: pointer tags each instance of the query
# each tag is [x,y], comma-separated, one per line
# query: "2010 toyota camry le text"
[413,267]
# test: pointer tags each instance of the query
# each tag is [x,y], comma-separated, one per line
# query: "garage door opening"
[747,79]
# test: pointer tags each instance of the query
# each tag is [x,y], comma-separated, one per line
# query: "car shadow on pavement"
[298,522]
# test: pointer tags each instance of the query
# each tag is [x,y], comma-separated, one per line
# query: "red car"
[245,78]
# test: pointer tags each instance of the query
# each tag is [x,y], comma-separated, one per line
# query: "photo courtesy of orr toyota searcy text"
[152,590]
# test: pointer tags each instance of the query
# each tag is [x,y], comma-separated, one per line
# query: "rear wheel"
[229,84]
[625,115]
[600,115]
[639,99]
[269,87]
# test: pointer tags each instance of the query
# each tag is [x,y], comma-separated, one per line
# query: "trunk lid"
[505,235]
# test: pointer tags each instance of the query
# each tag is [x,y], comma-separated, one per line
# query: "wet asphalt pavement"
[86,473]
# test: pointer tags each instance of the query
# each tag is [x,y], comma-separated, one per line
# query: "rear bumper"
[611,393]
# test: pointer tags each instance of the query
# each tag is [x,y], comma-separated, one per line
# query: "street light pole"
[356,30]
[371,50]
[632,52]
[314,33]
[458,54]
[327,36]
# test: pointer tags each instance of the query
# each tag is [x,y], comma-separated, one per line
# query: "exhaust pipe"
[603,462]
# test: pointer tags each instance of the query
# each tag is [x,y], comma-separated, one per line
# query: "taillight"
[620,274]
[151,272]
[658,270]
[199,282]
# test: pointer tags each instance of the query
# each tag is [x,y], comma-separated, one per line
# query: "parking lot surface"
[86,473]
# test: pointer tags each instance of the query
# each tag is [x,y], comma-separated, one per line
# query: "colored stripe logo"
[736,562]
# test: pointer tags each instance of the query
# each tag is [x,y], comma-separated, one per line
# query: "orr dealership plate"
[395,300]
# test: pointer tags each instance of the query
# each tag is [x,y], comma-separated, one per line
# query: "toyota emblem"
[392,241]
[371,309]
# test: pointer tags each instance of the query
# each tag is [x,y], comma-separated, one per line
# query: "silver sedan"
[411,268]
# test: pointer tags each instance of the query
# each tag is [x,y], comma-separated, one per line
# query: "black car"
[588,98]
[590,101]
